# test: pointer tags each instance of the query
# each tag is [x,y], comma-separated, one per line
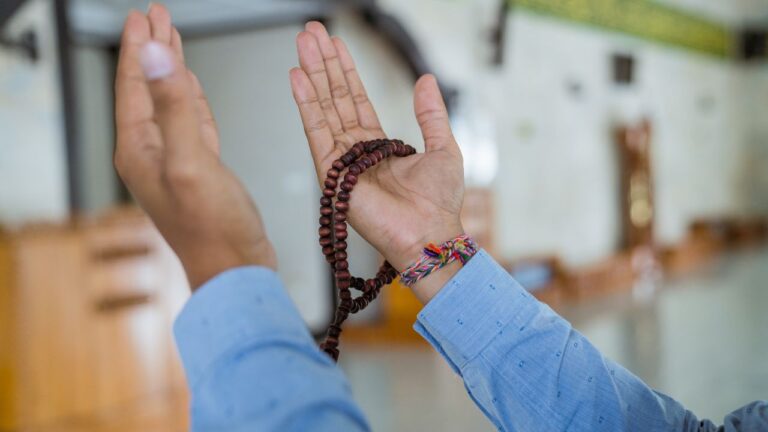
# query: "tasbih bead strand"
[333,231]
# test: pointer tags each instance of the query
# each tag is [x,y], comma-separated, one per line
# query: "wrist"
[426,288]
[202,265]
[415,248]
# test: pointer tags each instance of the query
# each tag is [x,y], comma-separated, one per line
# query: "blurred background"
[615,152]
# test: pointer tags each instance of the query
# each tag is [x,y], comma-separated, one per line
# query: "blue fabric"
[252,365]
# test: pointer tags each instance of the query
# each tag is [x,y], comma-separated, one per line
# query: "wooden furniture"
[636,184]
[85,327]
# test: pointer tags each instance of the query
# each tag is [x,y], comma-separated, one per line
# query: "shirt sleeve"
[251,363]
[527,369]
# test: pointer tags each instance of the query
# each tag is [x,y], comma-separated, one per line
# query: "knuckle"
[350,124]
[360,98]
[182,175]
[326,103]
[316,125]
[431,116]
[340,91]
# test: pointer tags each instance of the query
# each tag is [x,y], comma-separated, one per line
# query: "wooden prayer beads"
[333,231]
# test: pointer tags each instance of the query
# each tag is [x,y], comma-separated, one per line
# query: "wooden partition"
[85,327]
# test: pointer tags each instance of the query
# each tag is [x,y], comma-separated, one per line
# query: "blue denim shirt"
[252,365]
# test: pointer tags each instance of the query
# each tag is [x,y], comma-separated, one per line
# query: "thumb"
[173,101]
[432,115]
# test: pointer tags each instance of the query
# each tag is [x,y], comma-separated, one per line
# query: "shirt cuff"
[480,302]
[245,305]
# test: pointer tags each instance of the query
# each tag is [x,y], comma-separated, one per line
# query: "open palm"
[402,203]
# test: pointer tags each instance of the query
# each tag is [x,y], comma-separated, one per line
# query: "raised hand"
[402,203]
[168,155]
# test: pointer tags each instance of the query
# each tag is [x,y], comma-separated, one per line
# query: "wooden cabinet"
[85,324]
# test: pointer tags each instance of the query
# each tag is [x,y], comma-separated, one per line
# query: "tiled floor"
[702,339]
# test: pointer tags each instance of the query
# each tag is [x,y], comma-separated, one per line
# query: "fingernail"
[156,61]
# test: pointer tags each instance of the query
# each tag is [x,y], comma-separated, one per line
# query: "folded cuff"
[480,302]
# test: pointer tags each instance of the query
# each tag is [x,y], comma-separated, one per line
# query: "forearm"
[251,363]
[528,369]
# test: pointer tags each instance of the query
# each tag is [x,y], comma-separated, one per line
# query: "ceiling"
[100,21]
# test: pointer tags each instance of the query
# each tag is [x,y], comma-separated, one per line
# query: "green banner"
[642,18]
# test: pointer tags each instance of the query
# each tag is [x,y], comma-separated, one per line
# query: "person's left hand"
[168,155]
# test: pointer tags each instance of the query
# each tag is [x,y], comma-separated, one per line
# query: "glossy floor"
[702,339]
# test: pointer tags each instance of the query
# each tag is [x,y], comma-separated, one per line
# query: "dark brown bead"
[340,226]
[325,220]
[333,173]
[341,265]
[326,241]
[338,165]
[342,313]
[350,178]
[340,206]
[340,255]
[328,250]
[330,260]
[354,170]
[354,308]
[339,217]
[370,284]
[345,294]
[378,154]
[341,234]
[347,187]
[334,331]
[357,151]
[342,196]
[333,353]
[330,183]
[348,158]
[329,192]
[325,201]
[340,245]
[324,231]
[366,161]
[342,275]
[327,210]
[343,284]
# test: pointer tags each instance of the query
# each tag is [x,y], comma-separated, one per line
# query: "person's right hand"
[167,154]
[401,204]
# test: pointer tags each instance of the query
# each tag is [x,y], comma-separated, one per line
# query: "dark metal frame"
[68,101]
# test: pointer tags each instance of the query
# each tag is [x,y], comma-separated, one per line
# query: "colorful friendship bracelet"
[462,248]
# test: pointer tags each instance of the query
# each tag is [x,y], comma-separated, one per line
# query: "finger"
[432,115]
[311,61]
[160,21]
[366,115]
[138,140]
[176,45]
[174,103]
[318,133]
[209,131]
[342,97]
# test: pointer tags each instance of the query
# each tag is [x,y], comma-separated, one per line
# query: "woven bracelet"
[461,249]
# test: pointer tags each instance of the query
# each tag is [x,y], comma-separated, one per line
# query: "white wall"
[557,184]
[33,176]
